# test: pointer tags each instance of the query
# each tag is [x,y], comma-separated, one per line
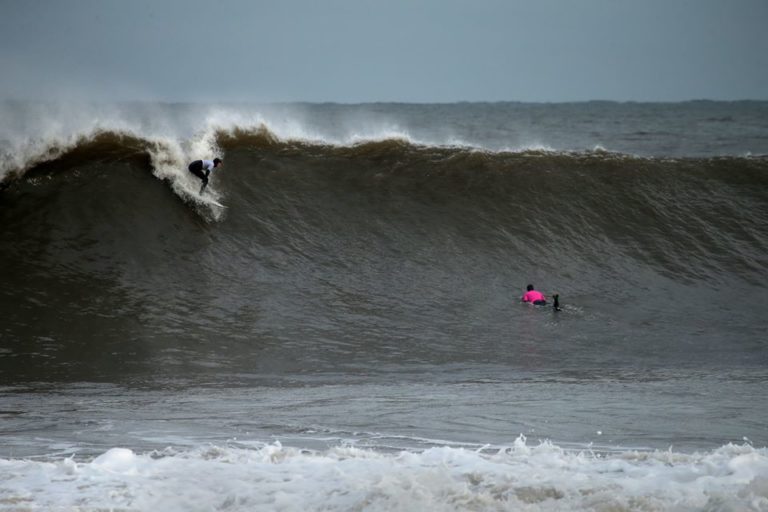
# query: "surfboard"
[206,199]
[207,196]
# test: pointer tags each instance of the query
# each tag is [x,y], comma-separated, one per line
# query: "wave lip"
[168,154]
[29,129]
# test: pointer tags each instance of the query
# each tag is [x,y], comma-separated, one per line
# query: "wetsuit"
[201,169]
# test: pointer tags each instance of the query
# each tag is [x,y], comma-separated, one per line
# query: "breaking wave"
[518,477]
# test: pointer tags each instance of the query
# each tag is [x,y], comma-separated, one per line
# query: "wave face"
[381,242]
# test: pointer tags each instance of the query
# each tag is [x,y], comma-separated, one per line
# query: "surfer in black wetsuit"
[202,169]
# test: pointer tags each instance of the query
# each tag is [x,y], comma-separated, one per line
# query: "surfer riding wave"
[202,169]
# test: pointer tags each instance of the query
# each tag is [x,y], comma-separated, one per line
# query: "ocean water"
[347,333]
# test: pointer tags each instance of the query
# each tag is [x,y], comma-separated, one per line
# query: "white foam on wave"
[173,135]
[43,132]
[33,133]
[295,127]
[529,148]
[272,477]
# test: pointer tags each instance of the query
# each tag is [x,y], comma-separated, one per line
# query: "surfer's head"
[217,162]
[529,287]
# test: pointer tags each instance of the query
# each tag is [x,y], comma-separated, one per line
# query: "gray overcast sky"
[393,50]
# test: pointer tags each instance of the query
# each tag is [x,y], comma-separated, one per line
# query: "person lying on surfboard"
[202,169]
[534,297]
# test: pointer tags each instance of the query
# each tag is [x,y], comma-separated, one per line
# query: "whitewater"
[272,477]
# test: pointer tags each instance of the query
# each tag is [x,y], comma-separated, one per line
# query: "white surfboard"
[207,197]
[215,203]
